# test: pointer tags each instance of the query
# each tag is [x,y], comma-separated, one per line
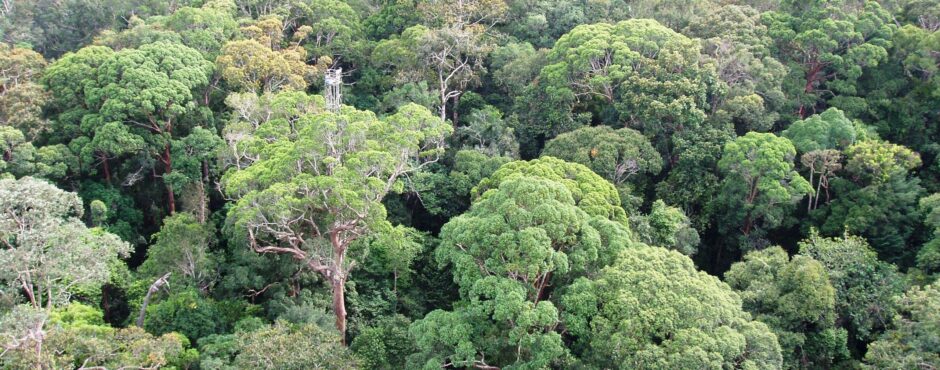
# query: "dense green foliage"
[492,184]
[796,299]
[652,309]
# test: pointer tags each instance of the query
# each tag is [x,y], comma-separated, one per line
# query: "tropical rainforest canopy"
[469,184]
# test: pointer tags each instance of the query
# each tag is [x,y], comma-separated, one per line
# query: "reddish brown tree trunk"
[168,169]
[811,77]
[339,306]
[170,200]
[337,278]
[107,168]
[748,224]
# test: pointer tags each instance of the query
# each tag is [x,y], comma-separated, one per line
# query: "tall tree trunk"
[443,109]
[818,188]
[809,204]
[337,276]
[168,169]
[540,286]
[202,208]
[203,205]
[107,168]
[812,75]
[748,224]
[454,115]
[339,305]
[155,287]
[442,85]
[170,199]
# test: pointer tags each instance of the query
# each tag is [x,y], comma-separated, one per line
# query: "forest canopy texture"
[470,184]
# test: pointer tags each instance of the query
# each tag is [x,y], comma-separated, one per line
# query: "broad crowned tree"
[651,309]
[316,183]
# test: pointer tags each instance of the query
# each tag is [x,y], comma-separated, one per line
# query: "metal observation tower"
[333,89]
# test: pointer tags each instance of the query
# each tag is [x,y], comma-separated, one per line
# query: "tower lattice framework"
[333,89]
